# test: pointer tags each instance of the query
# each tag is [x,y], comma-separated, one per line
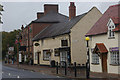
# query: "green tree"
[8,38]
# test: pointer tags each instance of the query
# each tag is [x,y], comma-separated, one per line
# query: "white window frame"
[114,57]
[95,57]
[46,55]
[36,55]
[111,26]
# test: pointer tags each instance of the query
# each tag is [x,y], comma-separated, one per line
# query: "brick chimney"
[72,10]
[39,14]
[22,27]
[50,7]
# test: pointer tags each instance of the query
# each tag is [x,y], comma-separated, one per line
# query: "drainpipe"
[70,45]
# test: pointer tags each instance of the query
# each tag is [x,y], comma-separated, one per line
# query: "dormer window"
[111,27]
[110,31]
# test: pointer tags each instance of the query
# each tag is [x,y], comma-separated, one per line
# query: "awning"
[100,48]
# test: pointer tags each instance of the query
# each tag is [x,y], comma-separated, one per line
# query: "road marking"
[9,74]
[18,76]
[2,72]
[58,76]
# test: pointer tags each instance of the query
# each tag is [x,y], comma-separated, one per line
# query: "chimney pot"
[39,14]
[72,10]
[50,7]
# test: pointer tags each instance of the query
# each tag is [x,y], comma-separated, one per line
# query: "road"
[8,72]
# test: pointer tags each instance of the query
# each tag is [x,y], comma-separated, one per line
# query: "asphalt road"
[8,72]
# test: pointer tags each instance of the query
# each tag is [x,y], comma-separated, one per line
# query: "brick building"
[44,19]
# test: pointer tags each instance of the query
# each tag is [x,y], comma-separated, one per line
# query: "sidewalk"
[70,73]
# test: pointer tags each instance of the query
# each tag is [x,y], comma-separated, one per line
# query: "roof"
[52,17]
[100,48]
[58,28]
[100,27]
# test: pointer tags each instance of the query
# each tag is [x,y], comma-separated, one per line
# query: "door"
[104,62]
[38,59]
[63,57]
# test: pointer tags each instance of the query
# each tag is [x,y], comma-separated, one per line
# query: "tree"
[8,38]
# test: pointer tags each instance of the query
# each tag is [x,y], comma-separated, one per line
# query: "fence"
[72,70]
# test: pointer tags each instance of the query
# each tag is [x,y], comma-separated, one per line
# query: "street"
[8,72]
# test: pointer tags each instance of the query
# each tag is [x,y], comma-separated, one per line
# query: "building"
[63,41]
[104,42]
[44,19]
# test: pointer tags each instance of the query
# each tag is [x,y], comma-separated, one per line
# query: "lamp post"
[88,59]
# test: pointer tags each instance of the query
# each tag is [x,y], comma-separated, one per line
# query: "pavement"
[70,72]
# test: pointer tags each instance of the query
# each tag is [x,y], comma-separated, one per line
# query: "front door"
[38,59]
[104,62]
[63,57]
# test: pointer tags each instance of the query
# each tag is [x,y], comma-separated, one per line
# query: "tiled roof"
[52,17]
[58,28]
[100,48]
[100,26]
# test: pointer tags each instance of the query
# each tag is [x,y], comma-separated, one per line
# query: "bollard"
[75,69]
[57,68]
[87,71]
[65,68]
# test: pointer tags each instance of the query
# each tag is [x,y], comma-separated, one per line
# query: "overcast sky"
[22,13]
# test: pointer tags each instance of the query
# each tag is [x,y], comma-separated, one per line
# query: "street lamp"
[88,59]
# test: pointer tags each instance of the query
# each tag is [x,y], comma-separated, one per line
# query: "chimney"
[50,7]
[72,10]
[39,14]
[22,27]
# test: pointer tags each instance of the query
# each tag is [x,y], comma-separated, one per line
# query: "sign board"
[11,49]
[114,49]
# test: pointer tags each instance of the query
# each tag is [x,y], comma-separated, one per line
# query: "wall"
[108,43]
[49,43]
[78,43]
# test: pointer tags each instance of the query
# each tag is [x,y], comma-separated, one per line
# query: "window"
[64,42]
[46,55]
[95,58]
[114,57]
[36,56]
[110,31]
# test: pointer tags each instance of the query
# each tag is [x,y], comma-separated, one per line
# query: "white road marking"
[18,76]
[58,76]
[9,74]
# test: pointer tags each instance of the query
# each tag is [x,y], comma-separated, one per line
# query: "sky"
[16,14]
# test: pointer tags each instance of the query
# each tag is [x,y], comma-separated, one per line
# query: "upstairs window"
[64,42]
[111,27]
[110,31]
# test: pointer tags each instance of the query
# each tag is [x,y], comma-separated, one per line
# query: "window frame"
[114,58]
[46,55]
[95,58]
[62,43]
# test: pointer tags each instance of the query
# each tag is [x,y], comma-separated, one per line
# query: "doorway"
[38,58]
[63,57]
[104,62]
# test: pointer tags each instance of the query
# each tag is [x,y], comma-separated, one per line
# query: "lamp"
[88,59]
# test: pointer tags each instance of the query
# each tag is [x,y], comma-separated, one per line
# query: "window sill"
[95,63]
[114,64]
[111,37]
